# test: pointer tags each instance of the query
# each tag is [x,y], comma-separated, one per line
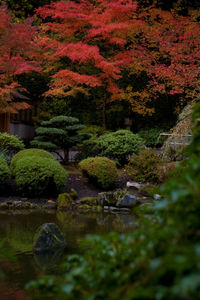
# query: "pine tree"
[59,133]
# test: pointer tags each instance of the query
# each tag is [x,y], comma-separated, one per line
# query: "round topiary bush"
[4,171]
[118,145]
[29,153]
[100,170]
[38,175]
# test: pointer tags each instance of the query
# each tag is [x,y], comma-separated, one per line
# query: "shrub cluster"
[4,171]
[118,145]
[37,172]
[100,170]
[143,167]
[151,137]
[11,143]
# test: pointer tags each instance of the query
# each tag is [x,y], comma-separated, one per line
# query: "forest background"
[105,62]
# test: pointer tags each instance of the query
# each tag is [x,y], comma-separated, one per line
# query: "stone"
[73,194]
[4,206]
[128,201]
[119,209]
[156,196]
[64,201]
[89,200]
[48,239]
[106,199]
[134,184]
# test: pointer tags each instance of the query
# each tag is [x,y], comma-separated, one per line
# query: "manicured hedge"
[38,175]
[100,170]
[37,172]
[30,153]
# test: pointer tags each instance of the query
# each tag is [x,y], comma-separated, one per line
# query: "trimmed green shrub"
[30,153]
[36,175]
[4,171]
[143,167]
[11,143]
[100,170]
[151,137]
[118,145]
[59,133]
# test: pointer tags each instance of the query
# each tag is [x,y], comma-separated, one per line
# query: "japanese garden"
[100,149]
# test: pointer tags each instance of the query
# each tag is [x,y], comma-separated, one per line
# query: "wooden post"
[5,122]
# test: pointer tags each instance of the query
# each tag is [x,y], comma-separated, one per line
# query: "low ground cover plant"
[100,170]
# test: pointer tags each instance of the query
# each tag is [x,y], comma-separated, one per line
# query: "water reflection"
[19,265]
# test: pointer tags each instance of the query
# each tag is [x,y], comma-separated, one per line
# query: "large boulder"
[128,201]
[48,238]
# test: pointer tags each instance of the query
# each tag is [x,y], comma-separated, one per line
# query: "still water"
[19,265]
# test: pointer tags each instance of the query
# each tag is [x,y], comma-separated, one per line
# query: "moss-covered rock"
[73,194]
[48,238]
[64,201]
[110,198]
[4,206]
[89,200]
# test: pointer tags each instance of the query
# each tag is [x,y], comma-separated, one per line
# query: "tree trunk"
[66,156]
[104,113]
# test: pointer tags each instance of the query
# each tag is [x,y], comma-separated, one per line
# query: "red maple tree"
[17,56]
[166,47]
[85,45]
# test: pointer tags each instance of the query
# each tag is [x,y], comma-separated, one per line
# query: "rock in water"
[48,238]
[128,201]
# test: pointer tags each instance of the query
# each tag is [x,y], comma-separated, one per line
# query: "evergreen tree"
[59,133]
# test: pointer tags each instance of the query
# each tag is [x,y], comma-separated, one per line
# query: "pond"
[18,263]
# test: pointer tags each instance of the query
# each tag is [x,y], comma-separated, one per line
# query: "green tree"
[59,133]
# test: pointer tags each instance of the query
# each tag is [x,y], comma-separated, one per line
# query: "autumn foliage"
[17,56]
[167,48]
[89,44]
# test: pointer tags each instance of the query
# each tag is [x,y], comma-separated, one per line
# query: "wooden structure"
[20,124]
[5,122]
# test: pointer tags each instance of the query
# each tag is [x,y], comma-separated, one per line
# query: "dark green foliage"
[59,133]
[159,260]
[29,153]
[118,145]
[143,167]
[4,171]
[180,6]
[23,8]
[151,137]
[38,175]
[86,149]
[100,170]
[10,143]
